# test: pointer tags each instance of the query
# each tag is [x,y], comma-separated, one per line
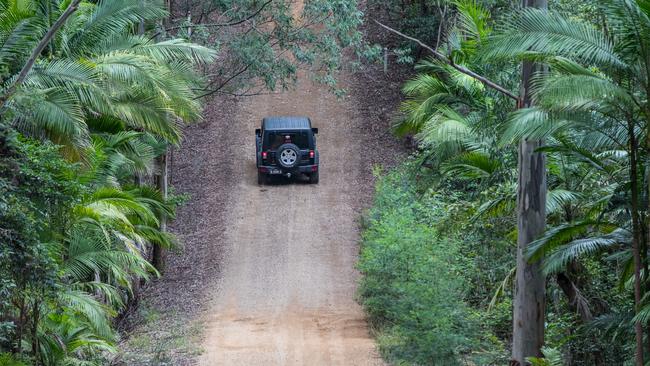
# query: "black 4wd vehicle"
[286,146]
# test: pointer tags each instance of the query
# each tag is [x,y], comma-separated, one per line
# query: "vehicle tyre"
[288,155]
[313,178]
[261,178]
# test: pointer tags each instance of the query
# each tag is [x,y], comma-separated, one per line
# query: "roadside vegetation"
[417,277]
[79,130]
[441,237]
[92,96]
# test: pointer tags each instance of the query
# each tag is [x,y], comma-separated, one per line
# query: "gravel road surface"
[286,291]
[267,274]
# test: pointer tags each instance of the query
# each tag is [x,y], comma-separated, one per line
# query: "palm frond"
[614,324]
[501,289]
[562,234]
[563,255]
[109,293]
[532,123]
[568,66]
[155,236]
[582,154]
[62,72]
[500,205]
[95,312]
[474,19]
[54,112]
[445,126]
[471,165]
[557,199]
[644,5]
[174,50]
[108,19]
[552,357]
[143,111]
[631,26]
[153,199]
[113,199]
[580,92]
[537,31]
[20,30]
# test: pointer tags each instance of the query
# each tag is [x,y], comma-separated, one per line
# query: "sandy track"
[286,292]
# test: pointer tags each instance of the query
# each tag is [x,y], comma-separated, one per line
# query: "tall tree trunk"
[158,253]
[636,238]
[20,327]
[530,289]
[644,242]
[158,256]
[574,297]
[646,270]
[35,320]
[168,7]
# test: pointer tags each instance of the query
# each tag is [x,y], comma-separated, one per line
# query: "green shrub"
[7,359]
[413,283]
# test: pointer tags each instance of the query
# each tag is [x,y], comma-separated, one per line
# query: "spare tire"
[288,155]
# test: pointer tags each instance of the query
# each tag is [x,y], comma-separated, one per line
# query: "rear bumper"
[267,169]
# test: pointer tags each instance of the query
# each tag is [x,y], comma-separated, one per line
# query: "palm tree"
[599,85]
[97,68]
[100,254]
[114,99]
[449,112]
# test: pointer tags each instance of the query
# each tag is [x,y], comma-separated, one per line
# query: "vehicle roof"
[286,123]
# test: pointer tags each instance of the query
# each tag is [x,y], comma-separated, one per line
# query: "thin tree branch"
[440,26]
[230,24]
[241,71]
[38,50]
[487,82]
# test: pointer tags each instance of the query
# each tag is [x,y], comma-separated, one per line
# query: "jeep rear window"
[273,140]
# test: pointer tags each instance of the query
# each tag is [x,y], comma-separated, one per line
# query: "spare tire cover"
[288,155]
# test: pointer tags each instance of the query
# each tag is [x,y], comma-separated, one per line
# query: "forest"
[443,247]
[516,231]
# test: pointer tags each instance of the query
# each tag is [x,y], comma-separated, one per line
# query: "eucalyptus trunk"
[158,254]
[636,239]
[530,286]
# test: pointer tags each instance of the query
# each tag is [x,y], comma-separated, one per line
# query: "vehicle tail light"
[314,168]
[264,155]
[263,170]
[311,154]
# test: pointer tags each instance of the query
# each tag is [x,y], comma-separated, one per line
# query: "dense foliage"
[78,130]
[264,45]
[592,110]
[417,277]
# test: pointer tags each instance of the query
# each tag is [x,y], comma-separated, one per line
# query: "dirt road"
[286,291]
[267,274]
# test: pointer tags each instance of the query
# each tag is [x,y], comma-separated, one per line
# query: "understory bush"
[437,279]
[415,281]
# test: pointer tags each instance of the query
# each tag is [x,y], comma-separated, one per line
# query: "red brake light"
[264,155]
[311,154]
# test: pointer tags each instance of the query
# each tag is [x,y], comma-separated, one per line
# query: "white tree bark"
[530,286]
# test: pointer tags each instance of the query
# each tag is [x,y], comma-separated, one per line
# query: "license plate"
[275,171]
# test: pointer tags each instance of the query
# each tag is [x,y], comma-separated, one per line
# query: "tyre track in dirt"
[286,291]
